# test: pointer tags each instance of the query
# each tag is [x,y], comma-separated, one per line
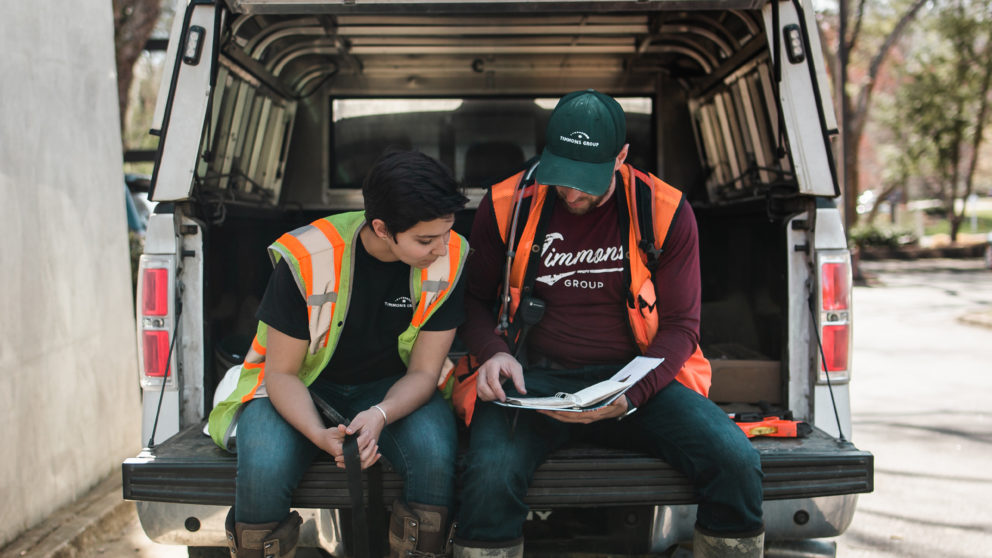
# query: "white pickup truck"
[271,111]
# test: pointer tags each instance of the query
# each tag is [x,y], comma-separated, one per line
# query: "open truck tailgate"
[189,468]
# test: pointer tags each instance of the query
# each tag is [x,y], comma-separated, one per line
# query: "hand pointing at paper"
[616,409]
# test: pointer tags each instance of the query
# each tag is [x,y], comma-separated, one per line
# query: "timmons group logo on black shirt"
[400,302]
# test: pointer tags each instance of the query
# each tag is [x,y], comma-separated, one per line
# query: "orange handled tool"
[774,427]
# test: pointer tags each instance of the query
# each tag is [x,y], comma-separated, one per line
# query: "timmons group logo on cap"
[585,133]
[579,138]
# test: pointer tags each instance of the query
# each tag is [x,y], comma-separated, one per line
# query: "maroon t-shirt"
[580,278]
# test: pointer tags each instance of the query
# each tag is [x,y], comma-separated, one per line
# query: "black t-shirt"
[380,310]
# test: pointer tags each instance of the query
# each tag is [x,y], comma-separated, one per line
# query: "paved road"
[922,403]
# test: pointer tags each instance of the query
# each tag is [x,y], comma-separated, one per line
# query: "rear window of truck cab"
[481,141]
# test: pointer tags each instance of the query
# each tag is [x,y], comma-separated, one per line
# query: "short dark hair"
[404,188]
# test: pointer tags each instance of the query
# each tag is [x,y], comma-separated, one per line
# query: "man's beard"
[587,205]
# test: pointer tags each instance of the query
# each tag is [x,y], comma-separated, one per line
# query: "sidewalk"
[70,531]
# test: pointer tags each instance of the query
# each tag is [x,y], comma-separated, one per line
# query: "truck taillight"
[836,347]
[155,292]
[156,319]
[155,345]
[835,286]
[835,314]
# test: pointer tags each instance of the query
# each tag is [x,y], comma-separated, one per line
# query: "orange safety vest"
[321,258]
[653,216]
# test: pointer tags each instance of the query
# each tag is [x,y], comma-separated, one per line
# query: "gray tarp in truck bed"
[189,468]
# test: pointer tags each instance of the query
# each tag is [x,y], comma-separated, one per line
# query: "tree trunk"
[854,110]
[852,176]
[955,225]
[134,21]
[979,132]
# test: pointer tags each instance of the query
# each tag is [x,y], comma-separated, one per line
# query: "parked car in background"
[139,207]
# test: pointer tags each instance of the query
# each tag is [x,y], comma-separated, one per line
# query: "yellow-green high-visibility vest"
[321,257]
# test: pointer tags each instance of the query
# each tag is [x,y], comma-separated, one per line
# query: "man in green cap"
[609,254]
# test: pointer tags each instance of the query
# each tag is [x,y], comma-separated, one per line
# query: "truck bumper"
[786,521]
[184,486]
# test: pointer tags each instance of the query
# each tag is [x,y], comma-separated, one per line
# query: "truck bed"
[189,468]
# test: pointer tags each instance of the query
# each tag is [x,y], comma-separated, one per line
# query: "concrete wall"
[69,401]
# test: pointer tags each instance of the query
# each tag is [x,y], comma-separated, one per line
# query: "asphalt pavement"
[922,379]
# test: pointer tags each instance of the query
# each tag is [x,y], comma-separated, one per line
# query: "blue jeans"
[688,431]
[273,455]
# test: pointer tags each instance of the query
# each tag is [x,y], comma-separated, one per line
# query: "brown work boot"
[708,546]
[418,530]
[263,540]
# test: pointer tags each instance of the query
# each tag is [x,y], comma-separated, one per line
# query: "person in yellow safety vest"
[592,263]
[360,312]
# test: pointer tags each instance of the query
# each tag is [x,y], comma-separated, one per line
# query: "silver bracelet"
[385,419]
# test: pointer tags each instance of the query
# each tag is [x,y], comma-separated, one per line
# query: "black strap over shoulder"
[644,204]
[512,239]
[524,212]
[518,326]
[540,232]
[623,221]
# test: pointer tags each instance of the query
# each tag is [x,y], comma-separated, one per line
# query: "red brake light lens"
[835,285]
[835,347]
[156,352]
[155,290]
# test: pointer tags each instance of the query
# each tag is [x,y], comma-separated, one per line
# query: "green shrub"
[880,236]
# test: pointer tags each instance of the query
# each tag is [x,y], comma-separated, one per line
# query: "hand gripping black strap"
[367,525]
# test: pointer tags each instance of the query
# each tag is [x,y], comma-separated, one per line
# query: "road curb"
[71,529]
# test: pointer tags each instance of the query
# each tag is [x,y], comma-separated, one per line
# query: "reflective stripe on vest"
[643,315]
[315,253]
[320,256]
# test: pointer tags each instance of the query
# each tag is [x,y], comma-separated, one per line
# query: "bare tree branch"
[864,96]
[886,192]
[856,31]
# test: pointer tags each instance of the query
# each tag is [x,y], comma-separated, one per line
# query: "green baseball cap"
[585,133]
